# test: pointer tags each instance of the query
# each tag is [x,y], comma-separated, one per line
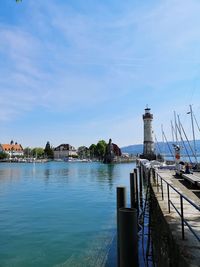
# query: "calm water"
[58,214]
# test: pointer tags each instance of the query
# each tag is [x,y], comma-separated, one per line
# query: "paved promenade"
[190,246]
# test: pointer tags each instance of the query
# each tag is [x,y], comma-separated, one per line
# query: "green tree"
[48,151]
[101,149]
[93,151]
[4,155]
[38,152]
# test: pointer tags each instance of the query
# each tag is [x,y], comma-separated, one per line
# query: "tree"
[83,152]
[101,149]
[48,151]
[3,155]
[93,150]
[38,152]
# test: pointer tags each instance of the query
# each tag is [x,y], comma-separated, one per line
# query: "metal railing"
[181,212]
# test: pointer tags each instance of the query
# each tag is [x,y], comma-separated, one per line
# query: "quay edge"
[170,249]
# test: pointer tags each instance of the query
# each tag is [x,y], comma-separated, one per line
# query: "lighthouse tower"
[148,148]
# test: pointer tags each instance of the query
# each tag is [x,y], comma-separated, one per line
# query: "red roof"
[8,147]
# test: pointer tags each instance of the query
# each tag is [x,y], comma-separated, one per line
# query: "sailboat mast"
[175,122]
[181,126]
[172,129]
[158,145]
[167,143]
[196,122]
[163,141]
[191,148]
[192,121]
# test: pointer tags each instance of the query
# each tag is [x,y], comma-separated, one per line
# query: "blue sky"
[79,71]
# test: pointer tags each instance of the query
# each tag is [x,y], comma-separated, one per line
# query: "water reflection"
[110,170]
[9,174]
[105,170]
[57,176]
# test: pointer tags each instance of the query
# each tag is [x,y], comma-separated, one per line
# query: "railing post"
[168,198]
[154,175]
[182,217]
[162,188]
[121,203]
[157,182]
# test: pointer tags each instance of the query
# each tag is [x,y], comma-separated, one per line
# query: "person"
[181,166]
[187,168]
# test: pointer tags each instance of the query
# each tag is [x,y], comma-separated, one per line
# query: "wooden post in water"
[140,172]
[132,190]
[128,237]
[136,188]
[140,179]
[121,203]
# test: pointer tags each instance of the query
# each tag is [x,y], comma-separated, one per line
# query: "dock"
[178,201]
[193,178]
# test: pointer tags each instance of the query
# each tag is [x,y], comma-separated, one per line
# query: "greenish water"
[57,213]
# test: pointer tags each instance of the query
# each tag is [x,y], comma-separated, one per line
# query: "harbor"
[99,133]
[100,213]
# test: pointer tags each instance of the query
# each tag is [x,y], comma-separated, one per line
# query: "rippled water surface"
[57,213]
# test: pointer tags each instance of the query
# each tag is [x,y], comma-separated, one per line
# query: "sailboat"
[189,147]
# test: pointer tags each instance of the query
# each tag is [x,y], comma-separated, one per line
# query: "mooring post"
[141,192]
[128,237]
[136,188]
[140,172]
[144,173]
[136,174]
[138,177]
[133,190]
[121,203]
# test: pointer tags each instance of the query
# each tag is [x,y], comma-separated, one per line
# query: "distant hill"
[132,149]
[162,148]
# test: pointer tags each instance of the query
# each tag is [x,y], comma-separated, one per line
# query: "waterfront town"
[14,152]
[99,133]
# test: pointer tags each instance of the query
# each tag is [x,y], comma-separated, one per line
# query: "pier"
[176,218]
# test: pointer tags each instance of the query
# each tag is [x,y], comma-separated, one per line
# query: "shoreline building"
[64,151]
[148,145]
[13,149]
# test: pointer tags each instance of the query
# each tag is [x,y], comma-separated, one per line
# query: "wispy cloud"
[63,57]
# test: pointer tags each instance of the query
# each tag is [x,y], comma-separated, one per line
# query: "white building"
[64,151]
[13,149]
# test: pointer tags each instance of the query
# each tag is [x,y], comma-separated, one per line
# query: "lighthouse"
[148,147]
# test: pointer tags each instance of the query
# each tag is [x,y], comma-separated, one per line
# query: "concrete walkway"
[190,246]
